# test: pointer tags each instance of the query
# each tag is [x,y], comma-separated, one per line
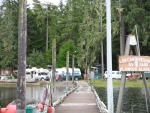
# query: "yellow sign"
[134,63]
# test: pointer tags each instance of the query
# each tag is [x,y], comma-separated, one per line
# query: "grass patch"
[116,83]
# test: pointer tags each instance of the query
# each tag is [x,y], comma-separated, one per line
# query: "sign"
[134,63]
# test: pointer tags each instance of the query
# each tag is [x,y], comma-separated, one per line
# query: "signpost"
[134,63]
[130,63]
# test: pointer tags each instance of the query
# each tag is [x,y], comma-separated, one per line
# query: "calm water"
[134,99]
[7,95]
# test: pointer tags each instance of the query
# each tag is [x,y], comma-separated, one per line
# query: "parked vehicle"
[133,75]
[60,73]
[29,74]
[147,74]
[77,74]
[115,74]
[97,76]
[43,74]
[3,78]
[95,69]
[37,74]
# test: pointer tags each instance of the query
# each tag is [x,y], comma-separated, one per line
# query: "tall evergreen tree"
[8,34]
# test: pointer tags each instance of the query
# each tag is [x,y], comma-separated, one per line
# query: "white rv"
[37,74]
[29,74]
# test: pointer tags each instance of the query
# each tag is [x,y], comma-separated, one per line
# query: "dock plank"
[80,101]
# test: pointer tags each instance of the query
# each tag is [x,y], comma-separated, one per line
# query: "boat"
[32,105]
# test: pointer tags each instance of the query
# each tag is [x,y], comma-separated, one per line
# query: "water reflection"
[134,99]
[7,95]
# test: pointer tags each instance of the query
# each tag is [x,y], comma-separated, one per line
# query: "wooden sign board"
[134,63]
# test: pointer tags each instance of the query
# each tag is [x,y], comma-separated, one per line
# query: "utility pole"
[22,37]
[67,70]
[109,59]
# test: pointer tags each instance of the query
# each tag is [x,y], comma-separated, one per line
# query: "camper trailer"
[29,74]
[37,74]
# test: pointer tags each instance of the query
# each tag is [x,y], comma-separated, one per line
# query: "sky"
[55,2]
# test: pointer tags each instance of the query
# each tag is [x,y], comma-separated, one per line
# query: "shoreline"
[13,83]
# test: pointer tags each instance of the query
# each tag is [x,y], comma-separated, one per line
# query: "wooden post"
[146,88]
[53,63]
[22,34]
[73,70]
[123,80]
[67,70]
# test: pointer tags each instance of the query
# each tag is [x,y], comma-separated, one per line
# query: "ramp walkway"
[81,100]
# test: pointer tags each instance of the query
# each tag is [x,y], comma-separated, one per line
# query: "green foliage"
[49,56]
[92,32]
[116,83]
[61,58]
[8,33]
[79,25]
[36,59]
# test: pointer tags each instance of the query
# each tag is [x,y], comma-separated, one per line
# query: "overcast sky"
[56,2]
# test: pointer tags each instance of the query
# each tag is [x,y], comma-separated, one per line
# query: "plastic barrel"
[29,110]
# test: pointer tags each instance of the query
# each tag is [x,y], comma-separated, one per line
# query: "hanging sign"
[134,63]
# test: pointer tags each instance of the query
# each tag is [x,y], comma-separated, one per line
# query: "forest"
[79,25]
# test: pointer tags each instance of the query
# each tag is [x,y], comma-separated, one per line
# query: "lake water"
[7,95]
[134,99]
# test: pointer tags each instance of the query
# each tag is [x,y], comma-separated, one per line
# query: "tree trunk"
[47,30]
[22,33]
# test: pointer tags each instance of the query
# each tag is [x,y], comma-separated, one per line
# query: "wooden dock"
[82,100]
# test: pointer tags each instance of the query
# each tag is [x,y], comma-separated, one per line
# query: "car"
[147,74]
[3,78]
[133,75]
[115,74]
